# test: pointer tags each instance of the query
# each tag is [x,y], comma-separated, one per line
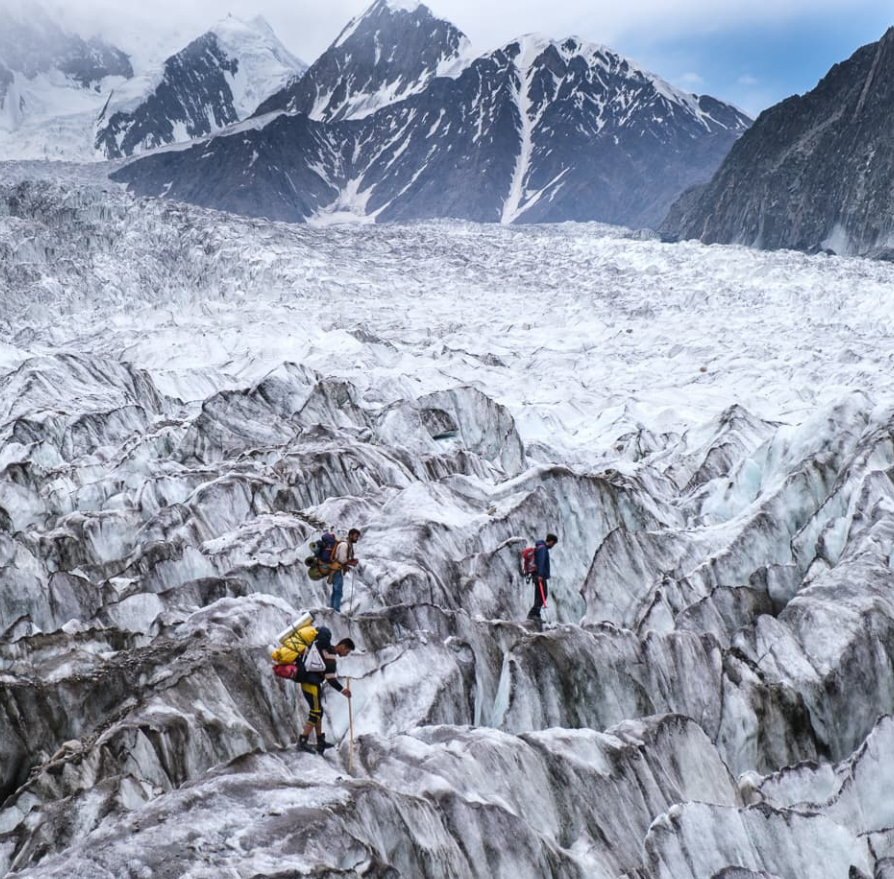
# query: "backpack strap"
[334,565]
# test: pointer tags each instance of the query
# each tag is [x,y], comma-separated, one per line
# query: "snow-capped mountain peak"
[265,64]
[391,51]
[402,5]
[541,130]
[383,9]
[530,53]
[216,81]
[32,43]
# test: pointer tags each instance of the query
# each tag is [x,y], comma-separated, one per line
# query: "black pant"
[541,590]
[314,702]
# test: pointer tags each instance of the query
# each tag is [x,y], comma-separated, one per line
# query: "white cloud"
[748,80]
[308,26]
[690,79]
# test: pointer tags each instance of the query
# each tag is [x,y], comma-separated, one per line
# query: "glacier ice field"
[187,397]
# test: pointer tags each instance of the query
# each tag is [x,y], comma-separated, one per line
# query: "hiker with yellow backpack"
[307,656]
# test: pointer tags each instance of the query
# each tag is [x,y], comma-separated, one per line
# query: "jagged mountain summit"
[815,172]
[218,79]
[537,131]
[392,51]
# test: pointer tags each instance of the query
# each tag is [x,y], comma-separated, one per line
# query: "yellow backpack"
[294,645]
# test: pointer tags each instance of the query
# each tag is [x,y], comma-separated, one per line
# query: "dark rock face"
[193,93]
[37,44]
[535,132]
[815,172]
[387,51]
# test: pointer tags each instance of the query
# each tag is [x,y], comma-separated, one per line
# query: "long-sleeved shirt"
[331,673]
[541,558]
[330,657]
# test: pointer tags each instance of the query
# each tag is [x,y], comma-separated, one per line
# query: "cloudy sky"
[750,52]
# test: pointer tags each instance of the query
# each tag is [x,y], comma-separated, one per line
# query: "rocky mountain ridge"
[217,80]
[813,173]
[538,131]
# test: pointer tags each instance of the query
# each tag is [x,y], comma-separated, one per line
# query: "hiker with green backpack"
[331,556]
[343,558]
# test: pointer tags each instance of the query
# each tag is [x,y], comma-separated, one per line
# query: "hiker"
[344,558]
[541,576]
[312,687]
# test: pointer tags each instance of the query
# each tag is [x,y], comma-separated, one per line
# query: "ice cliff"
[185,397]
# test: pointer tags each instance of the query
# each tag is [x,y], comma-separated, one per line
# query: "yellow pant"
[313,699]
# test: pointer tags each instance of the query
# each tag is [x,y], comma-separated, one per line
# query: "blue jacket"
[541,558]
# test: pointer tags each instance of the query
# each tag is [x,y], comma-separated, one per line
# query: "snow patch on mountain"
[265,65]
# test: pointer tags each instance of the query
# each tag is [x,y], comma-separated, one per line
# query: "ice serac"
[187,398]
[813,173]
[391,51]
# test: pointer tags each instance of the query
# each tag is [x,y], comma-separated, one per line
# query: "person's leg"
[322,744]
[539,595]
[338,582]
[314,718]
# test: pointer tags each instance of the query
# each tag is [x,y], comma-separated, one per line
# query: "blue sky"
[753,53]
[757,66]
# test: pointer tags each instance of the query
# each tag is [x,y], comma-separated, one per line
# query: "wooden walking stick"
[350,728]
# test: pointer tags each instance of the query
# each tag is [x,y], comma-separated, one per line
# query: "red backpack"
[529,561]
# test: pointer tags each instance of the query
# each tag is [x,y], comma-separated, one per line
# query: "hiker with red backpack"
[540,574]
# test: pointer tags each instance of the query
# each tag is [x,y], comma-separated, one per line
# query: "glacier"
[187,397]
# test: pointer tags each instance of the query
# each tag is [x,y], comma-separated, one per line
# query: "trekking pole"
[350,729]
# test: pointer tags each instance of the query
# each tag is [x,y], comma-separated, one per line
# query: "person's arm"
[344,556]
[331,676]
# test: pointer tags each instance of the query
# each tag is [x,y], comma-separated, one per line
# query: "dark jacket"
[541,559]
[330,657]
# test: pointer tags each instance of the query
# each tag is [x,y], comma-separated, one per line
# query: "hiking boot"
[303,745]
[323,745]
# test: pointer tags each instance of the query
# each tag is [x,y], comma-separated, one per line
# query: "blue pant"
[338,582]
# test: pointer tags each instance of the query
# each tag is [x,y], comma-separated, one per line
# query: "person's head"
[551,540]
[354,535]
[344,647]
